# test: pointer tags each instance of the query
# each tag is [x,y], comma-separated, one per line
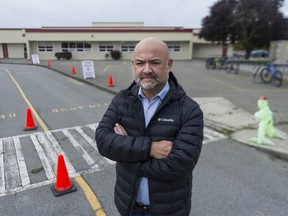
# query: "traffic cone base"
[31,128]
[63,192]
[30,125]
[63,184]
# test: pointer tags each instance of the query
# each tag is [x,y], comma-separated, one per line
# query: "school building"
[95,41]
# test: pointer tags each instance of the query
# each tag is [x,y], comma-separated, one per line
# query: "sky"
[38,13]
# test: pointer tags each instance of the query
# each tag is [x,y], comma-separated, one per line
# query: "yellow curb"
[90,196]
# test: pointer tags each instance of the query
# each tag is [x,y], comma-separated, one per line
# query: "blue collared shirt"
[149,110]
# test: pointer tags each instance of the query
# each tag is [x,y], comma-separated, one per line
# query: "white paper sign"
[88,69]
[35,59]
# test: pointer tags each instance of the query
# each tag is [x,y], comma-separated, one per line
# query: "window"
[87,47]
[45,47]
[128,46]
[76,47]
[105,46]
[64,47]
[80,47]
[72,47]
[173,46]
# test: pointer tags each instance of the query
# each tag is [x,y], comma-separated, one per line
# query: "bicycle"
[256,73]
[270,74]
[215,62]
[231,65]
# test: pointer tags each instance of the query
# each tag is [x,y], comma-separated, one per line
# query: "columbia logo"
[165,120]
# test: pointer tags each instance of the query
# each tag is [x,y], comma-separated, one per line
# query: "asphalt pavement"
[228,101]
[220,113]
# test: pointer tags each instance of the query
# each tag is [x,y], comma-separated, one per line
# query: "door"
[224,50]
[25,51]
[5,50]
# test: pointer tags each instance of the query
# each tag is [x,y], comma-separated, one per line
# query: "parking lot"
[196,80]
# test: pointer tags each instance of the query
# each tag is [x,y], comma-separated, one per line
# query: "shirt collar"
[161,94]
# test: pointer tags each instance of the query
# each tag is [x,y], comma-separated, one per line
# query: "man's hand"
[118,129]
[161,149]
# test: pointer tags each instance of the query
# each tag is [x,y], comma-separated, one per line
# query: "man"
[154,132]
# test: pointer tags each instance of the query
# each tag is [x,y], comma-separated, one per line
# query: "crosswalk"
[212,135]
[30,160]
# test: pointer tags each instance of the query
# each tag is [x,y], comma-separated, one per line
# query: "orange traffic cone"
[73,70]
[110,81]
[30,125]
[49,63]
[63,184]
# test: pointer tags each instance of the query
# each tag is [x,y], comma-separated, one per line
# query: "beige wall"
[184,54]
[191,45]
[12,36]
[279,51]
[1,51]
[16,50]
[206,50]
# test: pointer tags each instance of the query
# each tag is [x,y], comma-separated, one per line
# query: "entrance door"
[224,50]
[25,51]
[5,50]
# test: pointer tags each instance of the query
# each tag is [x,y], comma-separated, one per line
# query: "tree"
[252,23]
[217,27]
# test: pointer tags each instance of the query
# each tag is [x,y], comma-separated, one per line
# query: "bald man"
[154,132]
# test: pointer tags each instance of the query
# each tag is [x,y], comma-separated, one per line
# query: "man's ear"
[170,63]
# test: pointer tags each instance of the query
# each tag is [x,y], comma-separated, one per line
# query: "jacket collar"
[176,91]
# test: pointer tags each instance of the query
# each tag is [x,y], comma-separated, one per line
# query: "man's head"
[151,65]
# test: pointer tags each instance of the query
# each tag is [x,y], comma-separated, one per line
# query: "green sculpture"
[265,126]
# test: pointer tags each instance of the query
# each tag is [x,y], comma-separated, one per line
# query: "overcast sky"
[38,13]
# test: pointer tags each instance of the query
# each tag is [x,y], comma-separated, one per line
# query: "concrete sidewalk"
[219,113]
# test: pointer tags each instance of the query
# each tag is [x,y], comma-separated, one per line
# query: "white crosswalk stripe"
[44,159]
[21,162]
[58,150]
[212,136]
[12,175]
[81,150]
[2,174]
[15,171]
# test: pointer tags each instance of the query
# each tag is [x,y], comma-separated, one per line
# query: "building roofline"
[11,29]
[105,30]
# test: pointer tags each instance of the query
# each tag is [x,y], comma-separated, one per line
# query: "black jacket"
[179,119]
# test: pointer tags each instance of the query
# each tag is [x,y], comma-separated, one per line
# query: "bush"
[67,55]
[115,54]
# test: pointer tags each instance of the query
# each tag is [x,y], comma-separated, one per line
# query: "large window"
[174,46]
[87,47]
[45,47]
[128,46]
[105,46]
[76,47]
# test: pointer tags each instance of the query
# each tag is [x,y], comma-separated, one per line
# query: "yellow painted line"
[90,196]
[76,82]
[106,68]
[220,81]
[41,123]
